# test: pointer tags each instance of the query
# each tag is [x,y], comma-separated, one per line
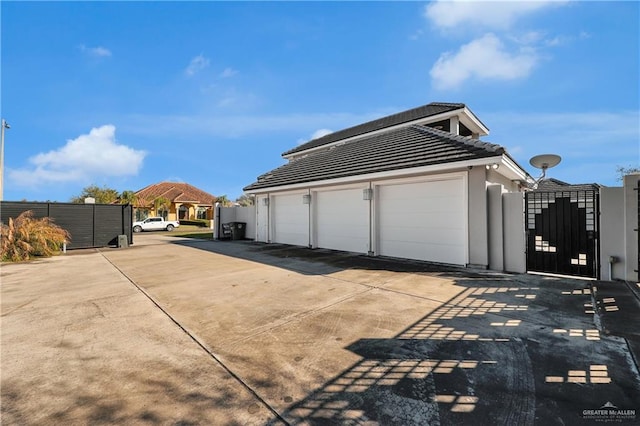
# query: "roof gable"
[176,192]
[406,147]
[429,110]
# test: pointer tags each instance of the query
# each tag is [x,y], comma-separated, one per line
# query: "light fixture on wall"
[367,194]
[265,201]
[306,199]
[493,166]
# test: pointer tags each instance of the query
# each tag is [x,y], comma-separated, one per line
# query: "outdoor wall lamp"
[367,194]
[493,166]
[265,201]
[306,199]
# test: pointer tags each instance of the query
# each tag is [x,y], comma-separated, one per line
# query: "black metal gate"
[90,225]
[637,189]
[562,232]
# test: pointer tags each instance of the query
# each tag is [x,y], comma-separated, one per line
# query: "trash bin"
[238,230]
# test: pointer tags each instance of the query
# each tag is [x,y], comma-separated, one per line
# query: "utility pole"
[5,125]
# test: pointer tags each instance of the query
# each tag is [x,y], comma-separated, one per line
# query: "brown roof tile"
[176,192]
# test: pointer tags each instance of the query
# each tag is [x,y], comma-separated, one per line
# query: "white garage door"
[290,219]
[423,221]
[342,220]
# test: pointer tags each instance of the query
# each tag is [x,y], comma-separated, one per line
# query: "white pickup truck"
[155,224]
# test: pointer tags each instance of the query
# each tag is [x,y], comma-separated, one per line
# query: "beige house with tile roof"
[185,202]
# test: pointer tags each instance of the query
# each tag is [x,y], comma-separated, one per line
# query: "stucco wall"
[239,214]
[496,235]
[612,240]
[514,239]
[478,231]
[631,224]
[494,177]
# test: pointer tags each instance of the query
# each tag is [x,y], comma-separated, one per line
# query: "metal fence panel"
[90,225]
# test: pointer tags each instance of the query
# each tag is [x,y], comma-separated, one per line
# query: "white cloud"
[228,72]
[562,40]
[236,125]
[484,59]
[483,14]
[81,160]
[528,38]
[320,133]
[315,135]
[196,65]
[96,52]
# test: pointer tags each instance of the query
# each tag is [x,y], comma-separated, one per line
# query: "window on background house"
[163,213]
[201,213]
[141,214]
[183,213]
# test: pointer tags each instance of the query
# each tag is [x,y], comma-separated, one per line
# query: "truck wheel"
[169,228]
[137,228]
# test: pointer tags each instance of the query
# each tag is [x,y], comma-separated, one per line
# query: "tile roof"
[424,111]
[176,192]
[405,147]
[553,185]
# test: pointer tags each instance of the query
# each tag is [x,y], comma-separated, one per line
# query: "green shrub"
[26,237]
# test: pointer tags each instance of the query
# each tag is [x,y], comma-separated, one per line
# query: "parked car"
[155,224]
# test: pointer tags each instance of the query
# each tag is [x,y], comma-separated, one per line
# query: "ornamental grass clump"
[26,237]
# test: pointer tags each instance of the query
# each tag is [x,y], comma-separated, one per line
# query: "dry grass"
[26,237]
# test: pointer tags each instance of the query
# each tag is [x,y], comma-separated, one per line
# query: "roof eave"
[466,116]
[475,123]
[411,171]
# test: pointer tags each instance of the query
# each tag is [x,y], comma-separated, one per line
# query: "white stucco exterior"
[439,217]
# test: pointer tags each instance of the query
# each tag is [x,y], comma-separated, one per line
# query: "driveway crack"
[198,342]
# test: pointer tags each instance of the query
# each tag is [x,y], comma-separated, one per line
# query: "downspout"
[268,218]
[217,219]
[309,217]
[371,252]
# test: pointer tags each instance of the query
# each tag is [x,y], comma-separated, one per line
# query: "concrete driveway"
[181,331]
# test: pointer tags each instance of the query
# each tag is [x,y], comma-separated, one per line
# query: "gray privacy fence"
[90,225]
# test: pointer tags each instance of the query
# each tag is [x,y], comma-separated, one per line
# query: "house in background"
[174,201]
[419,184]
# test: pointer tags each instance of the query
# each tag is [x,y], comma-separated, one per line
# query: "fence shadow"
[501,351]
[309,261]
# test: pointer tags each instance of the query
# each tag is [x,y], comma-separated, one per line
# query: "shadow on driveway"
[508,349]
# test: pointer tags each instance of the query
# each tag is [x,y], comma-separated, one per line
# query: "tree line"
[105,195]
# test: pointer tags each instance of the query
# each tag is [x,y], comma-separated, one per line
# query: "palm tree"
[224,201]
[161,203]
[128,197]
[245,200]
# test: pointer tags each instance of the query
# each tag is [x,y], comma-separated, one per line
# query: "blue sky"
[128,94]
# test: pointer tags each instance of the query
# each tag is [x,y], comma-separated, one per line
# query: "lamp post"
[5,125]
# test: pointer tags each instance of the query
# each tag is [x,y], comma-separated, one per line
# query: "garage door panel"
[291,220]
[342,220]
[424,235]
[433,252]
[423,220]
